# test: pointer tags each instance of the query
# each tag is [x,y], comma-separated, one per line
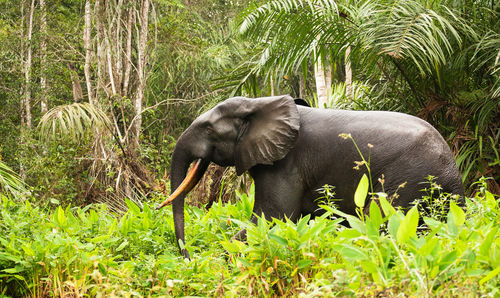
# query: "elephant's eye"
[209,130]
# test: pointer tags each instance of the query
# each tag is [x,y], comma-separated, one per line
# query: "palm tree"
[422,57]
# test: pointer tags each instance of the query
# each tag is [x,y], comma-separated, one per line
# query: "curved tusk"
[187,184]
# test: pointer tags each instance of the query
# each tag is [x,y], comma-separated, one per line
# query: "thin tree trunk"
[141,64]
[348,74]
[109,59]
[119,47]
[100,51]
[23,62]
[271,84]
[328,78]
[27,69]
[88,50]
[128,50]
[302,85]
[75,82]
[43,58]
[321,88]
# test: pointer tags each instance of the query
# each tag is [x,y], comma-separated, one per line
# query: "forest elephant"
[292,150]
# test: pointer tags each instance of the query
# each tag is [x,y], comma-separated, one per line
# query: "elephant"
[292,150]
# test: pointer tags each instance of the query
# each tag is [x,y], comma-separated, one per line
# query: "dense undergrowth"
[90,251]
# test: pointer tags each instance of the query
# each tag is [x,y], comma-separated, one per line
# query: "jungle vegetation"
[93,95]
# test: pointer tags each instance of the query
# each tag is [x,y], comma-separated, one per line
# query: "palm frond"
[10,183]
[292,31]
[72,121]
[409,30]
[487,56]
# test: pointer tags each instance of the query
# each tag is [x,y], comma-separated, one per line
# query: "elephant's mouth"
[192,178]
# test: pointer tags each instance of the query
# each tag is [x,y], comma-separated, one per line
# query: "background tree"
[411,56]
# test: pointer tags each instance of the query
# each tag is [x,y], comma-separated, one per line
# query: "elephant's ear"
[270,129]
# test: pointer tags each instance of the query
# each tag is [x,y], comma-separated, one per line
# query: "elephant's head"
[240,132]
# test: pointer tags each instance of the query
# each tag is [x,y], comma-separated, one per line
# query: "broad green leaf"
[349,234]
[375,214]
[122,246]
[280,240]
[433,224]
[244,262]
[356,224]
[371,229]
[448,259]
[61,217]
[302,224]
[102,268]
[361,191]
[353,253]
[386,206]
[303,263]
[490,200]
[234,246]
[428,247]
[484,248]
[133,207]
[452,226]
[16,269]
[458,214]
[10,257]
[393,225]
[369,266]
[181,244]
[408,226]
[490,275]
[316,228]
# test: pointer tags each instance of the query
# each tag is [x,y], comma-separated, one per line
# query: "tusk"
[186,185]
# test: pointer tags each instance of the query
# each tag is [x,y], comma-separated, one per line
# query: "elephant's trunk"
[187,184]
[182,184]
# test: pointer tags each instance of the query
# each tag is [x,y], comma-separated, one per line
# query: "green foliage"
[73,122]
[10,183]
[438,60]
[89,251]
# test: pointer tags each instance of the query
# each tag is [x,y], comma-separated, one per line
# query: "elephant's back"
[392,131]
[400,146]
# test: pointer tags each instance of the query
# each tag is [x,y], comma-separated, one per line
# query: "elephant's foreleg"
[242,235]
[275,197]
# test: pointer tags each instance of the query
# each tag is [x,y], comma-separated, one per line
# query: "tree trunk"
[302,85]
[109,60]
[348,74]
[100,50]
[21,46]
[75,82]
[141,64]
[88,51]
[321,87]
[119,47]
[128,50]
[271,84]
[43,58]
[27,69]
[328,78]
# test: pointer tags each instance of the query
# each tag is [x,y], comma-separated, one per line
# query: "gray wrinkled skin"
[291,151]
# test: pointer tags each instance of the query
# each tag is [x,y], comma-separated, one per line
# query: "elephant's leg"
[242,235]
[276,196]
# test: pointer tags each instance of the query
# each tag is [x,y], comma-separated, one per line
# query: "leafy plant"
[10,183]
[90,251]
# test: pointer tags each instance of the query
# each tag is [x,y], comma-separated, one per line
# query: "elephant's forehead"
[208,117]
[222,109]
